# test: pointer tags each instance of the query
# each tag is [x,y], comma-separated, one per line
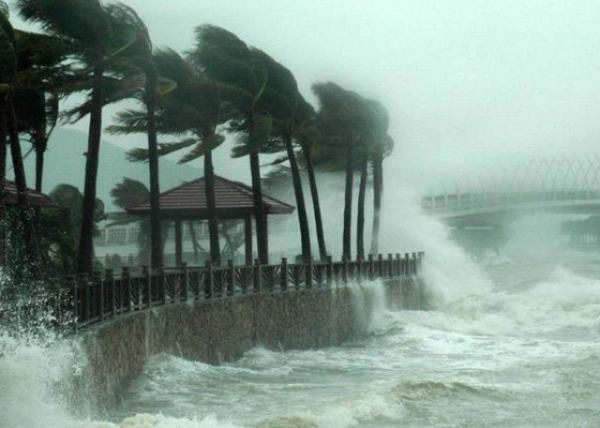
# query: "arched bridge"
[554,185]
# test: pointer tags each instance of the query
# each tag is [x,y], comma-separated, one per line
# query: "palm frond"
[84,22]
[129,122]
[4,9]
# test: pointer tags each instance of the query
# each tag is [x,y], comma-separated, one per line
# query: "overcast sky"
[468,83]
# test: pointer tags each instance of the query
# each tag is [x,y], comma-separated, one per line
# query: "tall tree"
[99,36]
[193,110]
[8,86]
[227,59]
[341,121]
[41,72]
[287,105]
[8,68]
[381,145]
[139,57]
[360,216]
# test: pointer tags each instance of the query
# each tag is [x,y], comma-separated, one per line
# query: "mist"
[494,178]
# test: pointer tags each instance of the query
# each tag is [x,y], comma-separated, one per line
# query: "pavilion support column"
[248,239]
[178,243]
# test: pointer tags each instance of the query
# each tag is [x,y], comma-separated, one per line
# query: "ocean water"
[511,341]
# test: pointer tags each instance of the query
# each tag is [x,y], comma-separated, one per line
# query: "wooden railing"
[97,298]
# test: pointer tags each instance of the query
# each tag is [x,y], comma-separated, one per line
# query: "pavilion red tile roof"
[233,200]
[35,198]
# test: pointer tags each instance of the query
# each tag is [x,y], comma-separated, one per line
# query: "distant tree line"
[220,86]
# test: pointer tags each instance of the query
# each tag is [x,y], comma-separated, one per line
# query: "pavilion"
[233,201]
[35,199]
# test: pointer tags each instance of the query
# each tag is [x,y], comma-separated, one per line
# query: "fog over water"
[468,83]
[511,339]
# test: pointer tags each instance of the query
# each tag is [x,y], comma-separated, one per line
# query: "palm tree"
[381,145]
[9,124]
[99,36]
[194,109]
[8,68]
[341,120]
[7,86]
[360,216]
[41,70]
[307,138]
[286,103]
[227,59]
[139,57]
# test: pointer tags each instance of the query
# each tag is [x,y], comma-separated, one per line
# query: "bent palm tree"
[227,59]
[194,109]
[285,102]
[41,71]
[381,146]
[139,57]
[98,36]
[341,121]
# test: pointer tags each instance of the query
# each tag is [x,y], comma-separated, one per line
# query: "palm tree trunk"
[211,204]
[298,192]
[360,218]
[85,259]
[262,241]
[195,244]
[156,252]
[347,235]
[17,158]
[377,196]
[21,182]
[2,179]
[314,192]
[41,144]
[3,132]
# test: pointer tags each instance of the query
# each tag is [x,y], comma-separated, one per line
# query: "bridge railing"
[96,298]
[472,201]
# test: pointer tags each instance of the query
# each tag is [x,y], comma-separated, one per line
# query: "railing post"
[126,283]
[329,271]
[110,279]
[231,282]
[390,266]
[184,281]
[414,263]
[209,286]
[344,269]
[398,265]
[148,285]
[257,276]
[406,264]
[284,274]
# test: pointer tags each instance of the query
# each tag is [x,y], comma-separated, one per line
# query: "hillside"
[65,163]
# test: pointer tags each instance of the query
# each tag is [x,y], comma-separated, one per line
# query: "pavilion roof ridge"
[233,200]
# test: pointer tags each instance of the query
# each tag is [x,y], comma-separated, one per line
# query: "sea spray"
[448,271]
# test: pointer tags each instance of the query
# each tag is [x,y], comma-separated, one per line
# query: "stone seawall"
[219,330]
